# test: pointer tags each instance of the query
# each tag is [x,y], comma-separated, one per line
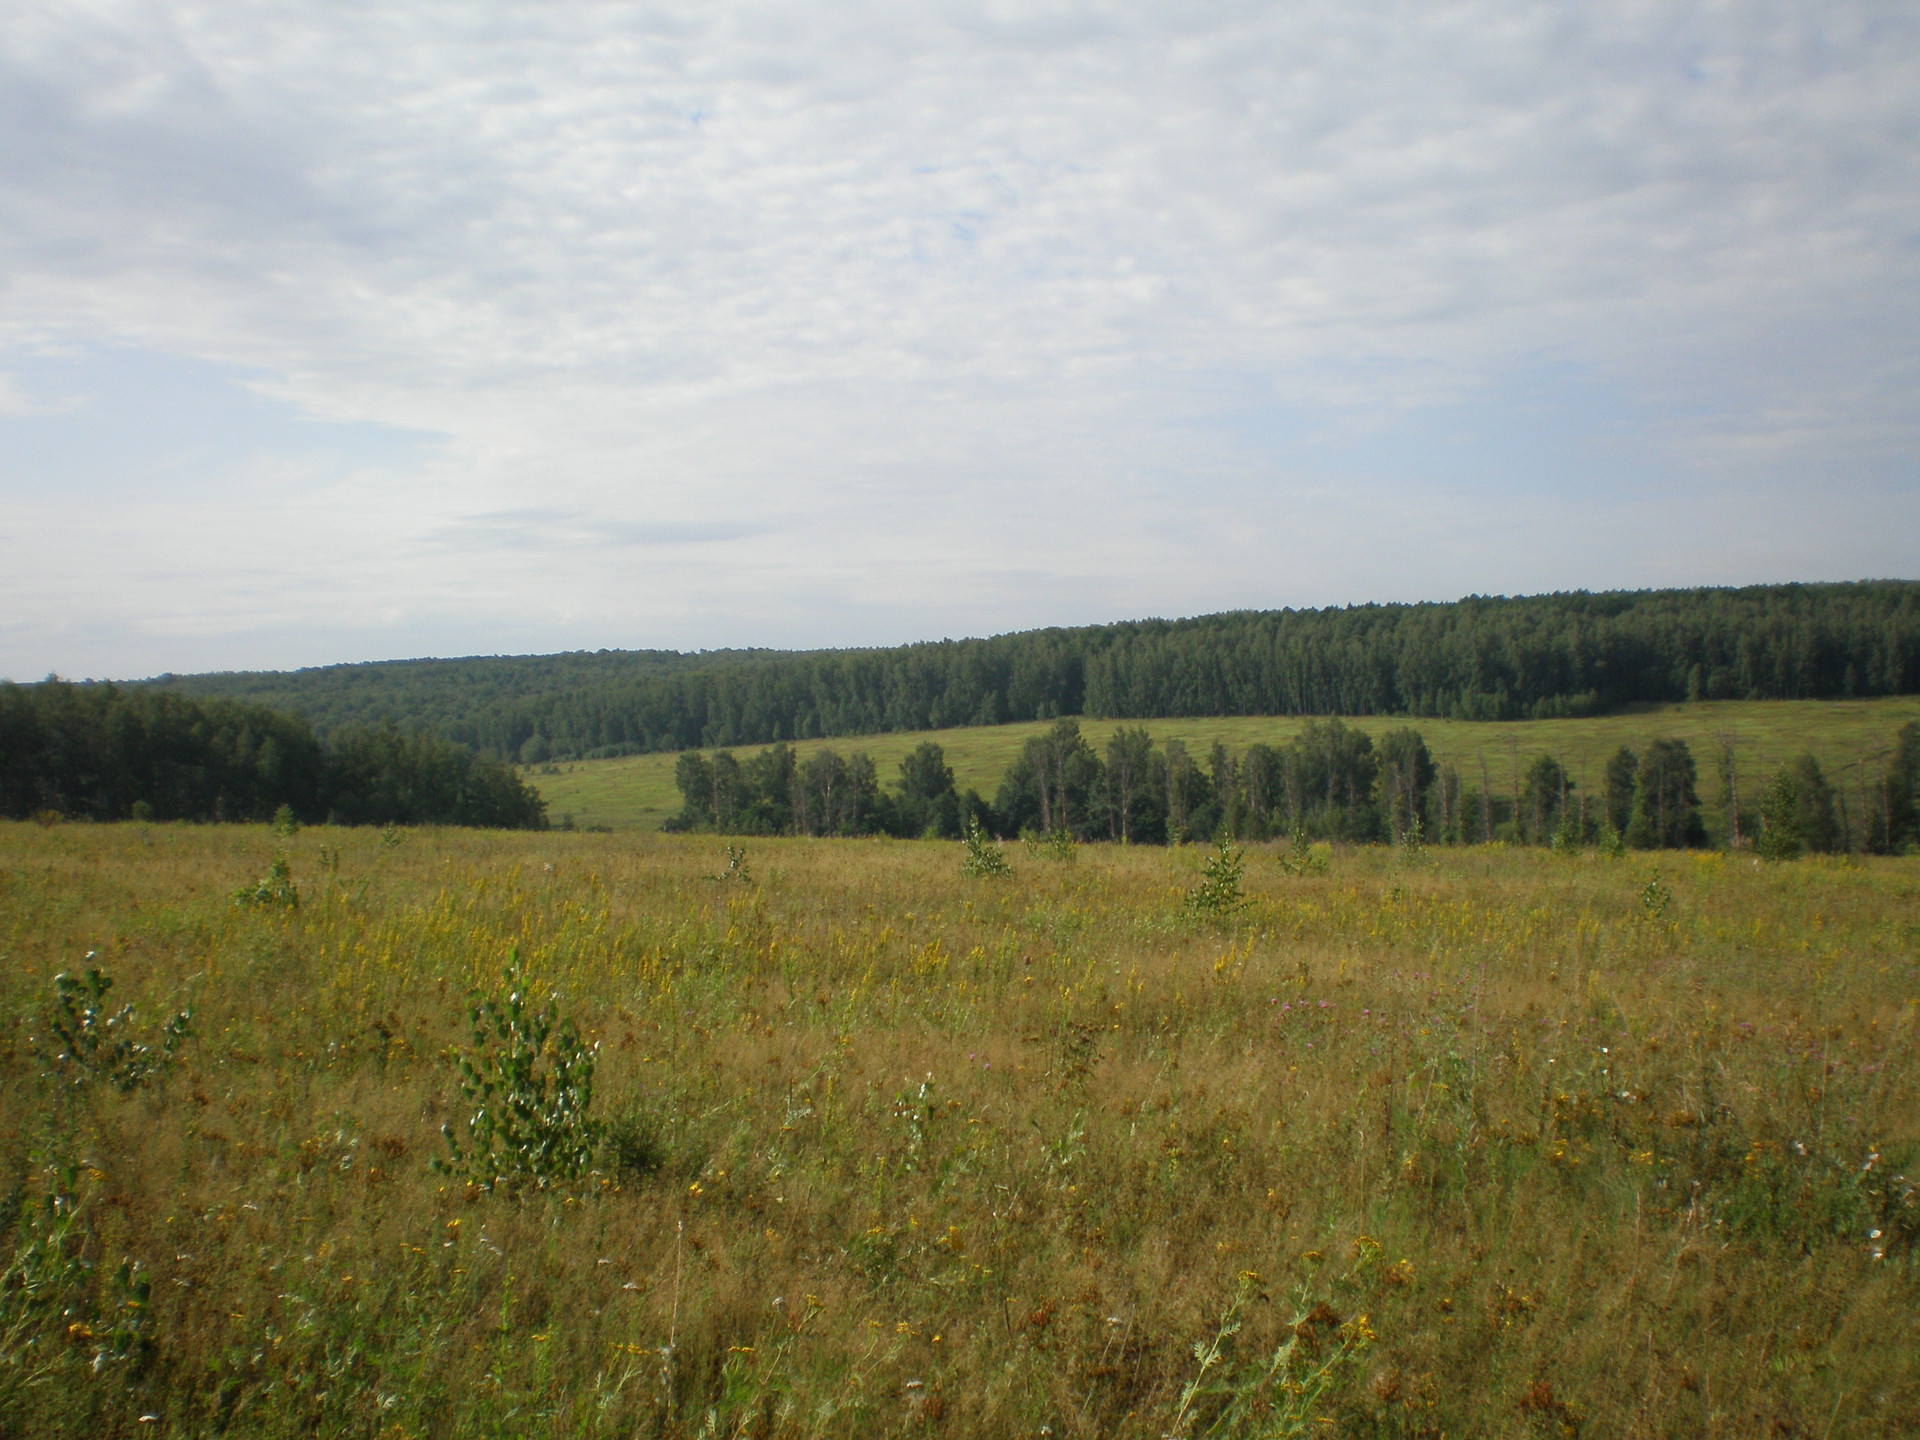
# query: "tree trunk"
[1513,756]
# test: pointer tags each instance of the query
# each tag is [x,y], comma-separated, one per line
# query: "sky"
[346,331]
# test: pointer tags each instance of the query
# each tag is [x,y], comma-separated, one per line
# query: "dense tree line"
[459,697]
[774,793]
[1477,659]
[105,753]
[1331,781]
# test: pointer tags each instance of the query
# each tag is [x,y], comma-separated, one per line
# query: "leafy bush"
[1053,845]
[736,866]
[1301,858]
[274,889]
[529,1077]
[983,857]
[1217,896]
[89,1045]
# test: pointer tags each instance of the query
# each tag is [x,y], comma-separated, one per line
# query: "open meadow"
[1477,1142]
[637,791]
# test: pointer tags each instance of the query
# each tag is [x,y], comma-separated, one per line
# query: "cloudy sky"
[349,331]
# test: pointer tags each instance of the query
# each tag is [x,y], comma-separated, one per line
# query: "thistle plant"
[529,1079]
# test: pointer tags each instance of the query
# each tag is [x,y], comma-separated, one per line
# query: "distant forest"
[1475,659]
[101,752]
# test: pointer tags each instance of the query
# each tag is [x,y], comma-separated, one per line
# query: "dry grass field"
[637,792]
[1484,1142]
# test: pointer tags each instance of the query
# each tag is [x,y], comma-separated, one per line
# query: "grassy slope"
[974,1159]
[638,791]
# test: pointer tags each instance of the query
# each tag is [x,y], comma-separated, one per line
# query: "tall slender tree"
[1667,805]
[1622,775]
[1129,762]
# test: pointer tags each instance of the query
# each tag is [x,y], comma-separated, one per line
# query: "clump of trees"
[101,752]
[1666,807]
[775,793]
[1871,803]
[1900,791]
[1332,781]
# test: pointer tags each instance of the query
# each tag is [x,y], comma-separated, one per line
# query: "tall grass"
[1465,1143]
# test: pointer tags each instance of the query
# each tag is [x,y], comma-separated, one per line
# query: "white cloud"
[886,322]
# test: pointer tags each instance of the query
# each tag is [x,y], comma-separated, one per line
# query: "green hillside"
[637,792]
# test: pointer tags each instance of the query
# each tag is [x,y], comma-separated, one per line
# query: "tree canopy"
[1479,658]
[102,752]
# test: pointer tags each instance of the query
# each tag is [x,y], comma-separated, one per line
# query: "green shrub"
[89,1045]
[1217,896]
[983,857]
[529,1078]
[736,866]
[1301,858]
[634,1148]
[1053,845]
[274,889]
